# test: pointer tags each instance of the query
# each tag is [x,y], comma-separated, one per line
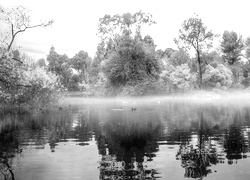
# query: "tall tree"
[60,66]
[135,60]
[195,34]
[231,47]
[128,57]
[110,27]
[81,62]
[41,63]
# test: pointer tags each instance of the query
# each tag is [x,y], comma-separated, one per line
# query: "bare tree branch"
[22,30]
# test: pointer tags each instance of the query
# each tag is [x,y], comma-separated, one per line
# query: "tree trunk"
[200,72]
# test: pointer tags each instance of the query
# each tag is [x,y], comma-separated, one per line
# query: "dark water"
[107,139]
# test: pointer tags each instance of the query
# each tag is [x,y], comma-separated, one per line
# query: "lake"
[142,138]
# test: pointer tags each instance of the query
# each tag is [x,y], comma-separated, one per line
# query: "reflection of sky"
[75,121]
[165,162]
[194,140]
[69,161]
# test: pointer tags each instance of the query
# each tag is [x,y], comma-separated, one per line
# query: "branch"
[22,30]
[17,60]
[209,34]
[192,43]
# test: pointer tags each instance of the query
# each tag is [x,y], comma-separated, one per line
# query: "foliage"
[127,23]
[166,53]
[21,81]
[194,34]
[42,86]
[133,61]
[208,58]
[123,55]
[144,87]
[212,58]
[41,63]
[81,62]
[111,27]
[59,65]
[218,77]
[73,84]
[22,84]
[246,82]
[246,69]
[178,58]
[100,87]
[94,69]
[247,48]
[231,46]
[181,78]
[10,76]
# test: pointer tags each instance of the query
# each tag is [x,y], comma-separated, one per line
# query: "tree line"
[125,63]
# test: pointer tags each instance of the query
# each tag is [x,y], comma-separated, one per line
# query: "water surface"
[156,138]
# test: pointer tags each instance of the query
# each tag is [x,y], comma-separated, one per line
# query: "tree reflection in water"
[235,143]
[196,159]
[126,148]
[128,141]
[8,147]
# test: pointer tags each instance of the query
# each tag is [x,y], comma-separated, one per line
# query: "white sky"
[76,21]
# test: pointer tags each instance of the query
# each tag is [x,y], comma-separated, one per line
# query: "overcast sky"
[76,21]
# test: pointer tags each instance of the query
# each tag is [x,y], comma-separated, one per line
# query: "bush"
[100,88]
[246,82]
[74,83]
[145,87]
[217,77]
[178,78]
[25,84]
[40,90]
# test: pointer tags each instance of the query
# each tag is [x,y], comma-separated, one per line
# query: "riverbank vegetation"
[126,62]
[129,64]
[23,83]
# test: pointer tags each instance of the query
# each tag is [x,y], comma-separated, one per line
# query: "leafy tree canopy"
[231,46]
[178,58]
[127,23]
[133,61]
[81,61]
[195,34]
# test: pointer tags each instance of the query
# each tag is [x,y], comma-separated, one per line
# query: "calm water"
[128,139]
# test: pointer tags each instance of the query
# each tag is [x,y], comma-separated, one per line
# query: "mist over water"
[235,98]
[199,135]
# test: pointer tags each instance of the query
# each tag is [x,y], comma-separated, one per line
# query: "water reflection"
[138,144]
[8,146]
[197,159]
[125,146]
[236,145]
